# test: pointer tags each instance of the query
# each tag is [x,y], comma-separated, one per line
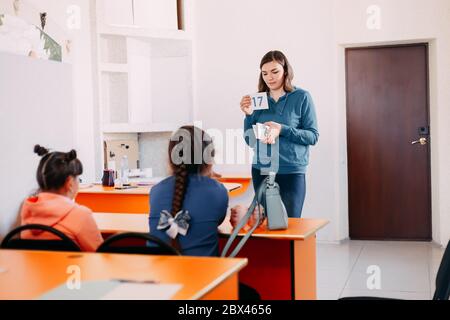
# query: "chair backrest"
[137,243]
[443,277]
[64,243]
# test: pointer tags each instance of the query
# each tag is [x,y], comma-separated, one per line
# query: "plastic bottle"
[124,169]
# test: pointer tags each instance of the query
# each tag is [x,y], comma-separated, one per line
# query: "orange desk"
[103,199]
[244,181]
[282,264]
[30,274]
[112,223]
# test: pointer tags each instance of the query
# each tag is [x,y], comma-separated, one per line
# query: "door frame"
[343,219]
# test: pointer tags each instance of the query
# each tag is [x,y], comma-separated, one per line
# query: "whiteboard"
[36,107]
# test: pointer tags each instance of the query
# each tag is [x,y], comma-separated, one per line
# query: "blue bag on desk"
[268,195]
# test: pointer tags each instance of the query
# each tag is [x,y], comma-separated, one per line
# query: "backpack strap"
[256,200]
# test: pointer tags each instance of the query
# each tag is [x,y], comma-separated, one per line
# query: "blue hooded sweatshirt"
[296,113]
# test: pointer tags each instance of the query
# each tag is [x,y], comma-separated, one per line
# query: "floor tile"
[328,294]
[386,294]
[407,269]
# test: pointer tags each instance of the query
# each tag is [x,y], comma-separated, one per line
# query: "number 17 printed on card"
[260,101]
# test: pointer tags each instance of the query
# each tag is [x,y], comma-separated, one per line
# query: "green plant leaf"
[51,47]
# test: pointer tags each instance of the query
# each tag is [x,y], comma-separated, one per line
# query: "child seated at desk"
[187,207]
[53,205]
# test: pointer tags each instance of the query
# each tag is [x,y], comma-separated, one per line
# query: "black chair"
[136,243]
[442,291]
[63,244]
[247,293]
[442,281]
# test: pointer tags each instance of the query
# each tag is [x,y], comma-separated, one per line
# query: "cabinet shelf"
[139,32]
[144,66]
[114,67]
[140,128]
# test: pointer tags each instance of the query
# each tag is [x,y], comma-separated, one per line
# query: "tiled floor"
[407,270]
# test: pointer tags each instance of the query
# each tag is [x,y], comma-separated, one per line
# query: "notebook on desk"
[113,290]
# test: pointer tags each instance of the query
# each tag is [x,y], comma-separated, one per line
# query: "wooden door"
[388,175]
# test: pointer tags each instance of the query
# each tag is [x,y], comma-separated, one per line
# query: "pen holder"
[108,178]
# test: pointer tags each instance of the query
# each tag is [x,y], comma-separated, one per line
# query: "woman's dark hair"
[279,57]
[55,167]
[191,151]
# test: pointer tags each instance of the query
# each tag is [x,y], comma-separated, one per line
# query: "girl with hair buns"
[187,207]
[53,205]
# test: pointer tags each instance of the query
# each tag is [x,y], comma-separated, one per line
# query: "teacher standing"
[292,120]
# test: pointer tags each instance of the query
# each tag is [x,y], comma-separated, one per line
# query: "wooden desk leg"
[305,269]
[269,267]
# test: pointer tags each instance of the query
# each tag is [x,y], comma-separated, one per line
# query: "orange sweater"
[63,214]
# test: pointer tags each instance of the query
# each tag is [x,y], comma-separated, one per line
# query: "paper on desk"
[88,290]
[140,291]
[112,290]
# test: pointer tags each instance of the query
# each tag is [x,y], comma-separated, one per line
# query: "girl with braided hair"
[189,206]
[53,205]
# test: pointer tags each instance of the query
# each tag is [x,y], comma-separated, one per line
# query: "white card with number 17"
[260,101]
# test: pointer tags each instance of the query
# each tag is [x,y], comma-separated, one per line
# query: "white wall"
[81,59]
[35,107]
[82,85]
[403,21]
[230,37]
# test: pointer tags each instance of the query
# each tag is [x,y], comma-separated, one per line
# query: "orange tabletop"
[99,189]
[284,261]
[243,180]
[135,200]
[30,274]
[298,229]
[111,223]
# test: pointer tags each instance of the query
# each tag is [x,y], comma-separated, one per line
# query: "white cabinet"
[171,89]
[156,14]
[145,67]
[115,12]
[140,82]
[151,14]
[145,83]
[114,98]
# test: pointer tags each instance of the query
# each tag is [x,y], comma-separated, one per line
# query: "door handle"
[422,141]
